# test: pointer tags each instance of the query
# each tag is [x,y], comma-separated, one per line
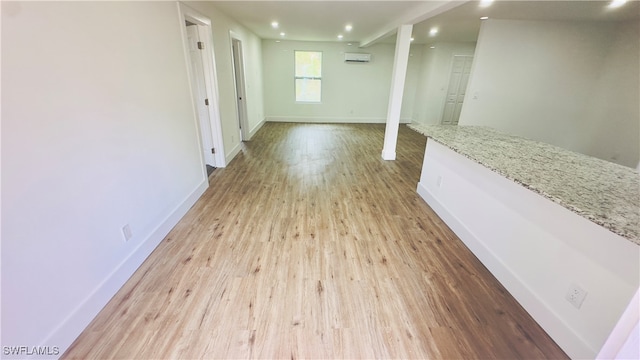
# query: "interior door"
[458,79]
[200,92]
[238,71]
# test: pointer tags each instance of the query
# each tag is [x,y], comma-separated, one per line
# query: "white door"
[460,70]
[238,71]
[200,92]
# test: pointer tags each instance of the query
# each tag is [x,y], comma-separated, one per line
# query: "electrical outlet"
[126,232]
[576,295]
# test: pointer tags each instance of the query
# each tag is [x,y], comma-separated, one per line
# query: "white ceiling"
[324,20]
[315,20]
[463,22]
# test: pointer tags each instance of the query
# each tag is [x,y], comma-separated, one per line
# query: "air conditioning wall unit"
[357,57]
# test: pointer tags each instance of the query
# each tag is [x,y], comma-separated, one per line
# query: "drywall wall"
[536,248]
[253,81]
[611,129]
[411,83]
[624,341]
[98,131]
[570,84]
[433,79]
[351,92]
[252,50]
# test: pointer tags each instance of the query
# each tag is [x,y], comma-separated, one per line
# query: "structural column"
[403,43]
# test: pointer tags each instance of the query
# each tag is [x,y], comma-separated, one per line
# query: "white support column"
[403,43]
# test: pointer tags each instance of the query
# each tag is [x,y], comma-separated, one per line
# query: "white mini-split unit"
[357,57]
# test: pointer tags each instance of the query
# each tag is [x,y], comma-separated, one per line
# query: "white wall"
[98,131]
[252,51]
[412,83]
[433,81]
[574,85]
[350,92]
[624,340]
[611,129]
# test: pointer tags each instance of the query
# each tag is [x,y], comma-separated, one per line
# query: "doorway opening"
[238,76]
[458,79]
[200,94]
[198,48]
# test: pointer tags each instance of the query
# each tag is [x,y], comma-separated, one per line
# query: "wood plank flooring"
[309,245]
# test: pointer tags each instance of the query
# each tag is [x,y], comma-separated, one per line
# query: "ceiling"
[315,20]
[463,23]
[375,20]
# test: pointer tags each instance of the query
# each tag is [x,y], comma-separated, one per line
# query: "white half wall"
[98,132]
[571,84]
[350,92]
[536,248]
[433,79]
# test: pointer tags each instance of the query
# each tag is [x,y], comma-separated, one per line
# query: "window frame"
[296,78]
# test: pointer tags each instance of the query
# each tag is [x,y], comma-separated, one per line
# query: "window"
[308,76]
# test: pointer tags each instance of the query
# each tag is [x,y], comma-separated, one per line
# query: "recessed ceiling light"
[433,31]
[277,40]
[485,3]
[348,27]
[340,36]
[349,44]
[616,4]
[412,38]
[282,34]
[432,47]
[484,18]
[274,24]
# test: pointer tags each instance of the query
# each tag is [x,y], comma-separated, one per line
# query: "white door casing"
[188,15]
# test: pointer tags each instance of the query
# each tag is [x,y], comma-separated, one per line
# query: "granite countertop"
[605,193]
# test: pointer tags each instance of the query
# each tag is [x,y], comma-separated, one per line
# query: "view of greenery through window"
[308,76]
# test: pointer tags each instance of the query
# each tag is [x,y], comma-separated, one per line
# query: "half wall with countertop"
[539,236]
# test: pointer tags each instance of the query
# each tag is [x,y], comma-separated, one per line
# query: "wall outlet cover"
[126,232]
[576,295]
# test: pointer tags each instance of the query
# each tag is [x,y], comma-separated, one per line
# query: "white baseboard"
[73,325]
[236,149]
[332,120]
[256,128]
[232,154]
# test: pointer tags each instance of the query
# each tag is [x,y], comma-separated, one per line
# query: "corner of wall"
[73,325]
[233,152]
[257,128]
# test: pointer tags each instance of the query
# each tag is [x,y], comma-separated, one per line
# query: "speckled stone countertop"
[608,194]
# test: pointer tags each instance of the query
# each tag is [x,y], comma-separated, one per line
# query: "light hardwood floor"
[309,245]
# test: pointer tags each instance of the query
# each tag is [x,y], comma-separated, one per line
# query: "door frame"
[199,91]
[237,54]
[449,73]
[210,79]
